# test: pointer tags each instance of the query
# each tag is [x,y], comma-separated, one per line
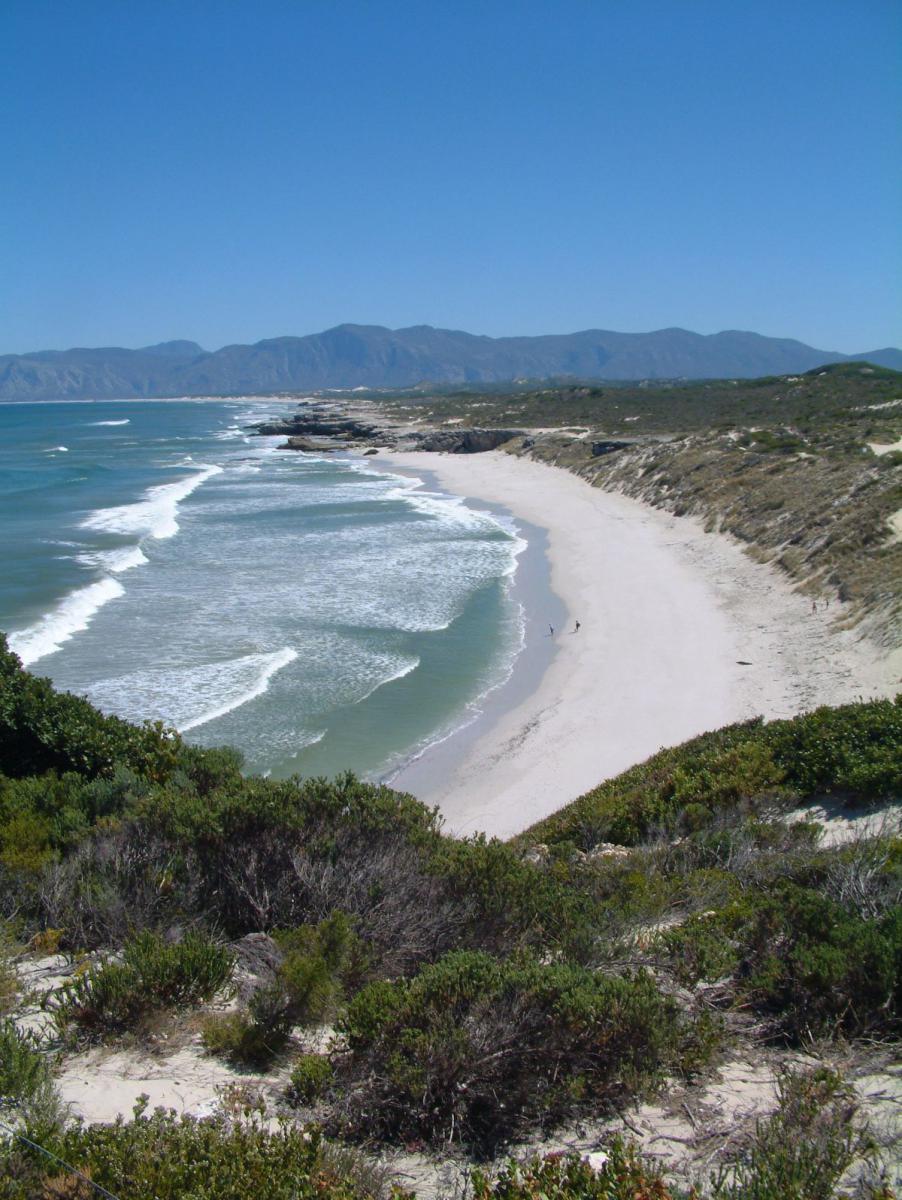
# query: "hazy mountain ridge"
[373,356]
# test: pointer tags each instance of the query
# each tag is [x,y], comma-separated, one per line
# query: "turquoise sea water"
[318,613]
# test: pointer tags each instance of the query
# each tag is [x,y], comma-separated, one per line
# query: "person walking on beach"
[576,627]
[551,631]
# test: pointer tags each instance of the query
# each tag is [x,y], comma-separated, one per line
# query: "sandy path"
[680,633]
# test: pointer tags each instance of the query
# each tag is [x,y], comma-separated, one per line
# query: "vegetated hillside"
[479,990]
[785,465]
[372,356]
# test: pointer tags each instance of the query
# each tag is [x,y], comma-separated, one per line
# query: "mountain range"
[373,356]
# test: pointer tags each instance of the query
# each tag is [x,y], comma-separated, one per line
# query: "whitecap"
[71,616]
[123,558]
[57,450]
[187,697]
[266,665]
[124,421]
[155,514]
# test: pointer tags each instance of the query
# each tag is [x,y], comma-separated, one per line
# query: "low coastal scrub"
[798,958]
[801,1152]
[152,975]
[28,1097]
[753,767]
[318,963]
[623,1176]
[431,1058]
[182,1158]
[311,1076]
[480,990]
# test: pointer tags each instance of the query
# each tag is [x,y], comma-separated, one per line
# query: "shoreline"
[680,633]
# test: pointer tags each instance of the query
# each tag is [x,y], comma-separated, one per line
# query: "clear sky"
[228,170]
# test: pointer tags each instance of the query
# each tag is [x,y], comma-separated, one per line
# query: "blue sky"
[236,170]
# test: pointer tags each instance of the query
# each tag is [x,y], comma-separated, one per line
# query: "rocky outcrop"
[257,963]
[307,446]
[465,441]
[600,448]
[322,427]
[309,423]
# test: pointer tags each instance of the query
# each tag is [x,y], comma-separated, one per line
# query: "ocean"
[320,613]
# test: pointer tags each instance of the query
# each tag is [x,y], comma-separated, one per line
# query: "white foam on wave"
[123,558]
[154,515]
[71,616]
[266,666]
[57,449]
[404,668]
[187,697]
[449,509]
[124,421]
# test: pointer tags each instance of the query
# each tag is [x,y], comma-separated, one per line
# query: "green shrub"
[853,749]
[508,901]
[624,1176]
[152,975]
[473,1048]
[27,1092]
[9,980]
[809,963]
[181,1158]
[802,1150]
[254,1037]
[319,960]
[307,989]
[310,1077]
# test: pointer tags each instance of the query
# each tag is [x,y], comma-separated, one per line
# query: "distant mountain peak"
[175,349]
[353,355]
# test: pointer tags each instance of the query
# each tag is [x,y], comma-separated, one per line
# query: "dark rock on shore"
[465,441]
[314,424]
[305,444]
[319,427]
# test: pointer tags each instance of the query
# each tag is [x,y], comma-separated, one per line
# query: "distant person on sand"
[814,606]
[551,631]
[576,627]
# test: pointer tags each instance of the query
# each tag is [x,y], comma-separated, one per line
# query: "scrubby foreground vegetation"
[476,993]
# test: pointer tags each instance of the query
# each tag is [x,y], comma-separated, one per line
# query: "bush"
[809,963]
[306,990]
[624,1176]
[853,749]
[182,1158]
[27,1093]
[9,980]
[319,959]
[473,1048]
[802,1150]
[310,1077]
[506,901]
[252,1038]
[152,975]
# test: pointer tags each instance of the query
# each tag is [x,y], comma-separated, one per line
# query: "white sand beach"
[680,632]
